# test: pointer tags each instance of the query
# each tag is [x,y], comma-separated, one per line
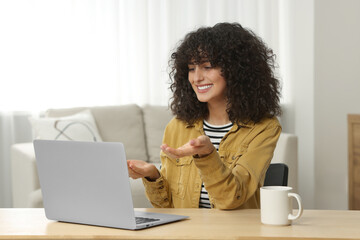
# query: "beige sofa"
[140,129]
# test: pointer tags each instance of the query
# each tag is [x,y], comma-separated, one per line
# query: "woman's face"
[207,82]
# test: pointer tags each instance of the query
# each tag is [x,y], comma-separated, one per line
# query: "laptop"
[88,183]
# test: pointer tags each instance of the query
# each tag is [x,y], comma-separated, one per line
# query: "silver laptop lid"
[85,182]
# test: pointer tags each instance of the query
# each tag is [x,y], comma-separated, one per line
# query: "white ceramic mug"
[276,205]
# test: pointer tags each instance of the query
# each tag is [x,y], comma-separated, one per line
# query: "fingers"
[200,145]
[169,151]
[140,169]
[133,174]
[135,169]
[180,152]
[163,147]
[199,141]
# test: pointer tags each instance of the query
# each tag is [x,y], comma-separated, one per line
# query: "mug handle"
[299,213]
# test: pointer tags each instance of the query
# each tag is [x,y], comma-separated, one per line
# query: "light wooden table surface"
[31,223]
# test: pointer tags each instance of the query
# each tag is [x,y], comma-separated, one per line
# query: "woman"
[217,149]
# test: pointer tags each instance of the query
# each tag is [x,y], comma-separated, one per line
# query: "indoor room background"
[69,53]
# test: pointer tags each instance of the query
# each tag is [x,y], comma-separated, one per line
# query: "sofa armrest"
[286,151]
[23,173]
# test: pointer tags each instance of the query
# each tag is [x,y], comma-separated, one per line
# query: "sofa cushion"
[79,127]
[155,119]
[116,124]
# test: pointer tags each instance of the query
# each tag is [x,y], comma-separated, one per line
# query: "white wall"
[337,93]
[322,41]
[297,48]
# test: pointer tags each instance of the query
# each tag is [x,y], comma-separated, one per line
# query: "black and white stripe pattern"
[204,198]
[215,133]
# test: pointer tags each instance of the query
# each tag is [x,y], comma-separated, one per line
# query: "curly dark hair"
[246,63]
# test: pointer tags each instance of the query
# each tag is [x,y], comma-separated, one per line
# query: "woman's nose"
[198,75]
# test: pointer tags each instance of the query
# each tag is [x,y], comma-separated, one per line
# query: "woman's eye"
[191,69]
[206,65]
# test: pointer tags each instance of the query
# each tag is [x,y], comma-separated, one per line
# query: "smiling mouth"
[204,88]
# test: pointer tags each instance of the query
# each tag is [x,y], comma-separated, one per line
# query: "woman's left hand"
[201,146]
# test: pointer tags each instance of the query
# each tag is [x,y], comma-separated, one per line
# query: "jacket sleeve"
[229,188]
[158,192]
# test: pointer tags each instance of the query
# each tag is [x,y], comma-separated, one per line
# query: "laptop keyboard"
[140,220]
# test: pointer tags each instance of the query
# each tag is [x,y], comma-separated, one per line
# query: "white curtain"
[150,30]
[67,53]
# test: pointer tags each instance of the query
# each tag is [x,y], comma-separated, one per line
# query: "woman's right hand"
[139,169]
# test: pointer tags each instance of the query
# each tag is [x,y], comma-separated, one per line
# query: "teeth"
[204,87]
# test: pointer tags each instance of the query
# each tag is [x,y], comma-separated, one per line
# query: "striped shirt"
[216,134]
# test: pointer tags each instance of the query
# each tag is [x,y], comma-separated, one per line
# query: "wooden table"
[203,224]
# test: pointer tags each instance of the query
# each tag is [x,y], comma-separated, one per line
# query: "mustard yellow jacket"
[232,176]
